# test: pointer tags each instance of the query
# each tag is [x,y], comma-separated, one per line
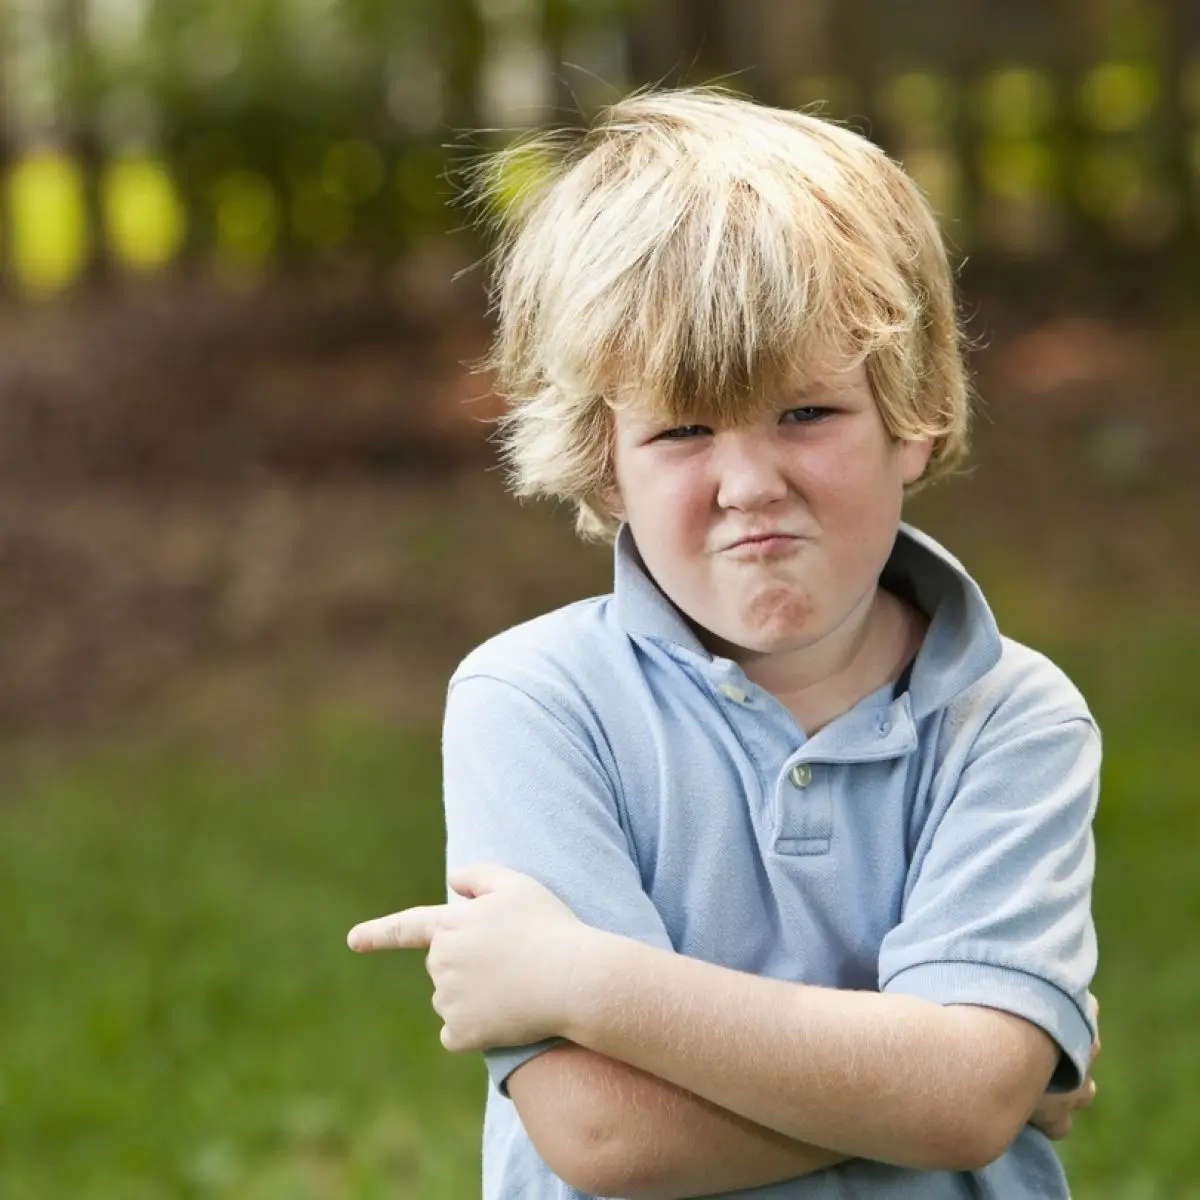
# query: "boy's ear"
[609,499]
[914,458]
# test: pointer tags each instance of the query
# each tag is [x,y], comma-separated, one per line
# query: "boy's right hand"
[1054,1114]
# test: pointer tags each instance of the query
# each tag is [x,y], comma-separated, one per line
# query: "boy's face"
[769,536]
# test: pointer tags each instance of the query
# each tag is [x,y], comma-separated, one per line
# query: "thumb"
[480,878]
[411,929]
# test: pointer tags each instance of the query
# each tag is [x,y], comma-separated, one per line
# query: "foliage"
[288,130]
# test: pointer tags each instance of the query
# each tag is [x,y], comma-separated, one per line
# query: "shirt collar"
[962,644]
[643,610]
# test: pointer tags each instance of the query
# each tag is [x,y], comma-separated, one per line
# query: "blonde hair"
[705,250]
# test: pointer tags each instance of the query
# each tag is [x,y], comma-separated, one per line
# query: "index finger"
[1095,1007]
[410,929]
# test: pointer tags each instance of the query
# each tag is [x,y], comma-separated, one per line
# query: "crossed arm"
[609,1129]
[681,1078]
[684,1078]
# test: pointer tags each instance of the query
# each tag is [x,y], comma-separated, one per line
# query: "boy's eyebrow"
[822,386]
[819,383]
[805,394]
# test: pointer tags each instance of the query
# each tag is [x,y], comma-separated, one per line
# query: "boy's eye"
[805,415]
[682,431]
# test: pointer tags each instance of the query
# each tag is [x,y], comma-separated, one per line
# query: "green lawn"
[179,1016]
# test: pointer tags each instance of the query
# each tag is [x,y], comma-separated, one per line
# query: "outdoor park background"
[248,524]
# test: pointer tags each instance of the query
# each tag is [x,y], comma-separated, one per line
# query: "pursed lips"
[767,540]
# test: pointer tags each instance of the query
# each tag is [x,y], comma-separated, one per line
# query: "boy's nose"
[748,475]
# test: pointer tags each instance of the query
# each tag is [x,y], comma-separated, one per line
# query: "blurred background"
[249,521]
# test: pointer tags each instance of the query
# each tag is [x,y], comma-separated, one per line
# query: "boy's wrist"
[600,961]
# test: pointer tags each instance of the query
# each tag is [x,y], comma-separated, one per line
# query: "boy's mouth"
[768,542]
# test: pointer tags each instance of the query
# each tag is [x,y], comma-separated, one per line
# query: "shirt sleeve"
[997,910]
[526,785]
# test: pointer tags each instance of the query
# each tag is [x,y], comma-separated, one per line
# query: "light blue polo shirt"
[935,842]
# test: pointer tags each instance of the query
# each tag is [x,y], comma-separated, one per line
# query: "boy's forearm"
[656,1141]
[690,1148]
[883,1077]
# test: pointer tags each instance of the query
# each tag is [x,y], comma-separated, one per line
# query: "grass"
[1140,1140]
[186,1019]
[179,1016]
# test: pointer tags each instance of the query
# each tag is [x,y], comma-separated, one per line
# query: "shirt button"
[732,692]
[885,727]
[800,775]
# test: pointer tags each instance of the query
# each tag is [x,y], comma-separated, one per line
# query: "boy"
[779,858]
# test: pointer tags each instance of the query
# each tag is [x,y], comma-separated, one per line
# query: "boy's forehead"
[830,373]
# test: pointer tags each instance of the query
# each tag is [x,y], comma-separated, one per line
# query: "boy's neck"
[870,649]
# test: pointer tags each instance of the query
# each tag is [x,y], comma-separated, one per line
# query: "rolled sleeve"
[525,785]
[997,910]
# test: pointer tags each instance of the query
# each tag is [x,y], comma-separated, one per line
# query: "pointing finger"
[1094,1005]
[411,929]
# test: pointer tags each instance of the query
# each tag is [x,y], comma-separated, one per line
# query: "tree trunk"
[967,69]
[462,42]
[778,45]
[7,153]
[857,61]
[1085,243]
[79,102]
[704,39]
[676,42]
[1182,44]
[554,24]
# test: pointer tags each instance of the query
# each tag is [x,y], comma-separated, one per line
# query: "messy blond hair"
[704,251]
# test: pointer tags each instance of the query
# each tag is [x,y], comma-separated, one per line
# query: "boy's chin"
[784,626]
[763,643]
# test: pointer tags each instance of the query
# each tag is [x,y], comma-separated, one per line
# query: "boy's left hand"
[501,964]
[1055,1113]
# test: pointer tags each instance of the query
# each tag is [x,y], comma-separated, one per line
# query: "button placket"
[800,776]
[804,822]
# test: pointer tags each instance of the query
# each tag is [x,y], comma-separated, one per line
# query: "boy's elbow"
[582,1120]
[979,1124]
[970,1138]
[580,1153]
[982,1147]
[970,1151]
[591,1154]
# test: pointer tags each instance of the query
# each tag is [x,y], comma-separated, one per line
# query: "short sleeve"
[525,785]
[997,910]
